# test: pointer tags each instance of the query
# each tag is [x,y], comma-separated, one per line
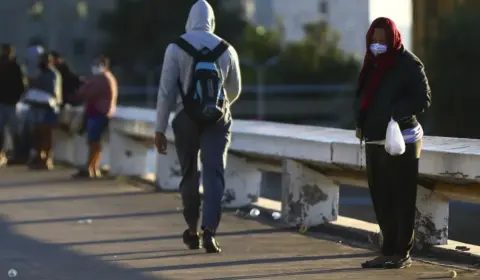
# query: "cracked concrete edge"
[365,232]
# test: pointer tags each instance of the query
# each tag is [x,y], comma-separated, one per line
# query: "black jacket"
[12,81]
[403,93]
[70,84]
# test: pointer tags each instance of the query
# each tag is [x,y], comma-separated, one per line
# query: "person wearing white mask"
[100,93]
[392,86]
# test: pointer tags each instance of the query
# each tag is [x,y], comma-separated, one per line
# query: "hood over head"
[393,37]
[201,17]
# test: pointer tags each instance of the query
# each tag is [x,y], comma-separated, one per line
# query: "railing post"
[168,172]
[431,219]
[81,150]
[63,146]
[127,156]
[308,197]
[242,183]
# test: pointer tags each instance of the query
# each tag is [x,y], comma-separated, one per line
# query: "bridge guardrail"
[313,161]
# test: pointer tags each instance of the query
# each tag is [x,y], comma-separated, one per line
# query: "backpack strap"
[215,54]
[187,47]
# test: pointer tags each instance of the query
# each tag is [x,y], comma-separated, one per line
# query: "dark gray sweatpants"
[211,143]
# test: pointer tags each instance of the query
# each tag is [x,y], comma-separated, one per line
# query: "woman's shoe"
[399,262]
[378,262]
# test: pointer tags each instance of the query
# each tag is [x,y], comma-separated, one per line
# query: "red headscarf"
[381,63]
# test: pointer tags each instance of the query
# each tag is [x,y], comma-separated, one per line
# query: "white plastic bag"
[394,142]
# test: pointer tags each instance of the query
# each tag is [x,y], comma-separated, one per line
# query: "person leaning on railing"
[44,99]
[100,94]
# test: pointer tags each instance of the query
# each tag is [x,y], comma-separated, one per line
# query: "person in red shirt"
[100,94]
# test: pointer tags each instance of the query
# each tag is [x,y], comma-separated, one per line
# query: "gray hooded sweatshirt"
[177,64]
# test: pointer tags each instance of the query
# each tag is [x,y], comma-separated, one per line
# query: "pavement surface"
[55,228]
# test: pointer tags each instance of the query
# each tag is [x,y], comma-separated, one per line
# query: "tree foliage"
[452,63]
[314,60]
[138,32]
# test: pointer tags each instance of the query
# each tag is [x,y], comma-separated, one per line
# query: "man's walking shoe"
[378,262]
[399,262]
[191,240]
[210,243]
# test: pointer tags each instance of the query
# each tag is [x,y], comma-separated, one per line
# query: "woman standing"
[44,98]
[392,85]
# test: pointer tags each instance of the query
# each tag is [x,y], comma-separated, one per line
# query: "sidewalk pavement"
[56,228]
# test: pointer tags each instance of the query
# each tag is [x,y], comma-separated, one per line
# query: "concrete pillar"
[168,172]
[308,197]
[63,146]
[128,157]
[242,183]
[432,218]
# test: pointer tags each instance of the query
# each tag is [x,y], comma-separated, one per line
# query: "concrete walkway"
[55,228]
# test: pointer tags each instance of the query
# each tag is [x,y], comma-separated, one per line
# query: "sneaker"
[378,262]
[98,173]
[210,243]
[192,241]
[399,262]
[82,174]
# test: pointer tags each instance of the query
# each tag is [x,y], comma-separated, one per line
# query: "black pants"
[212,143]
[393,187]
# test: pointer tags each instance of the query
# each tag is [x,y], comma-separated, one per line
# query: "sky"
[400,11]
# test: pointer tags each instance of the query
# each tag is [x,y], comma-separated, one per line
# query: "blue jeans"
[8,117]
[45,116]
[96,126]
[212,142]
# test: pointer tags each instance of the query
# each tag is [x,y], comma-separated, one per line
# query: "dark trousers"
[393,187]
[212,143]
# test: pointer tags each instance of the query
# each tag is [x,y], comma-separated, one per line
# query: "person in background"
[71,82]
[25,141]
[392,85]
[100,93]
[12,87]
[221,71]
[44,98]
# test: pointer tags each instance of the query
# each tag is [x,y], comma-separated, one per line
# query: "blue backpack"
[204,102]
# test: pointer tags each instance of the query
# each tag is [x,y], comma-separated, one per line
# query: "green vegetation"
[452,63]
[139,31]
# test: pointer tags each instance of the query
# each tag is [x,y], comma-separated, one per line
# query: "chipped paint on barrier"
[228,196]
[243,183]
[300,205]
[427,233]
[431,219]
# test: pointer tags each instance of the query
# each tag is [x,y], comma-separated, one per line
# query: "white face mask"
[377,49]
[97,69]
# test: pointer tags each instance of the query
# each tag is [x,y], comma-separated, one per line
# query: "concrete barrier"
[313,161]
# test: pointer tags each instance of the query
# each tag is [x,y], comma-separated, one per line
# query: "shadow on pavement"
[71,197]
[36,183]
[33,259]
[99,217]
[256,262]
[292,274]
[168,237]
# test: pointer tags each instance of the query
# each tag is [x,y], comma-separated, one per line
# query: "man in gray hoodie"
[191,137]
